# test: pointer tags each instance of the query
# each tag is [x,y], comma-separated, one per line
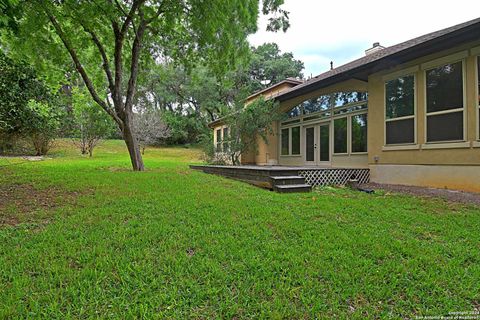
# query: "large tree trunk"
[133,147]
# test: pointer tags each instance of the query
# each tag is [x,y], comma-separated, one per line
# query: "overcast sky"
[341,30]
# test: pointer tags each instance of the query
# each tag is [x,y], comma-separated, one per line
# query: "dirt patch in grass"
[445,194]
[24,203]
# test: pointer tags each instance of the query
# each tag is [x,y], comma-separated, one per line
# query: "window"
[445,103]
[290,139]
[359,133]
[285,133]
[296,140]
[340,135]
[226,142]
[219,140]
[400,110]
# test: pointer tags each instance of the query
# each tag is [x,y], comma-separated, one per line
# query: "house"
[409,113]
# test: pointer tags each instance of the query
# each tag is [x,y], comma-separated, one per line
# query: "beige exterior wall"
[451,165]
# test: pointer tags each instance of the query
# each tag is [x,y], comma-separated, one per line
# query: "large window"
[445,103]
[290,140]
[359,133]
[400,110]
[340,135]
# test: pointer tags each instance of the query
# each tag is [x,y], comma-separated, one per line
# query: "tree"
[27,108]
[91,124]
[268,66]
[105,38]
[150,129]
[247,125]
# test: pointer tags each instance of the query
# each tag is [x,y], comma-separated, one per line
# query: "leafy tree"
[110,42]
[268,66]
[150,129]
[27,108]
[246,126]
[91,124]
[44,121]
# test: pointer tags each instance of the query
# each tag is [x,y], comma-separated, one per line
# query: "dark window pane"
[399,96]
[310,144]
[284,141]
[445,127]
[226,144]
[317,104]
[219,140]
[400,131]
[445,87]
[340,135]
[325,143]
[296,140]
[359,133]
[478,82]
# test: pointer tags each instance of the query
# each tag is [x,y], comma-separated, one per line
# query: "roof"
[390,57]
[293,81]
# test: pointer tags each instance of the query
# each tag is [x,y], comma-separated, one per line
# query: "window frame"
[290,140]
[219,142]
[400,74]
[451,59]
[476,54]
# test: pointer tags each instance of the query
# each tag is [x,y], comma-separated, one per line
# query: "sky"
[341,30]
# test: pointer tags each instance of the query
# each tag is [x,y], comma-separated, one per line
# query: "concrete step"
[282,180]
[293,188]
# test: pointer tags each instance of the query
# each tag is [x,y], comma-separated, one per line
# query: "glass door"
[310,146]
[324,143]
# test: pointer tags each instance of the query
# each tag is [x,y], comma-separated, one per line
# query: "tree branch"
[78,65]
[101,49]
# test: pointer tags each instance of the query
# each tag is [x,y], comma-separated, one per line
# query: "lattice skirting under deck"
[324,177]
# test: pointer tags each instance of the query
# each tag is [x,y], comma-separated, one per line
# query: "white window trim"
[454,58]
[399,74]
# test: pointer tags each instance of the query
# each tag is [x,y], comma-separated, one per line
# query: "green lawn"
[87,238]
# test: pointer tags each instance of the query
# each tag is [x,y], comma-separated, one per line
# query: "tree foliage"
[246,126]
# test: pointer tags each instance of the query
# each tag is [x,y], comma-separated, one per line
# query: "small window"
[285,147]
[445,103]
[340,135]
[317,104]
[296,140]
[400,110]
[359,133]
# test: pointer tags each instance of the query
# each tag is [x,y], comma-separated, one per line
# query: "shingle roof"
[293,81]
[381,55]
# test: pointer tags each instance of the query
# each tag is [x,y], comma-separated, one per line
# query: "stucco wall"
[459,154]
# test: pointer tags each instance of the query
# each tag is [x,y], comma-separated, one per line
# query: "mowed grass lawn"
[88,238]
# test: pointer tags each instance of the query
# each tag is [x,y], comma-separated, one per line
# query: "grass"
[175,243]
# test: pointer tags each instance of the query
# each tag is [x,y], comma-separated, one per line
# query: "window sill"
[401,147]
[358,153]
[476,144]
[447,145]
[341,154]
[290,155]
